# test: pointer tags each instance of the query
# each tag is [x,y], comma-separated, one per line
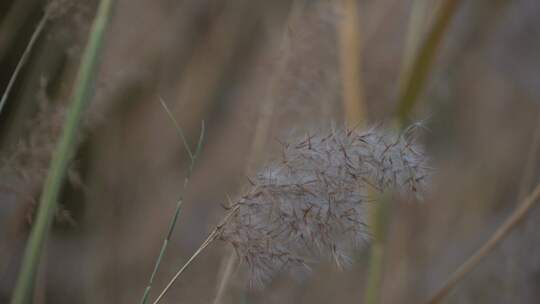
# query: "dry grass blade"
[350,62]
[211,237]
[24,58]
[13,21]
[228,268]
[515,218]
[531,163]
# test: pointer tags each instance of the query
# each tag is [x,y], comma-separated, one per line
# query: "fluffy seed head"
[311,202]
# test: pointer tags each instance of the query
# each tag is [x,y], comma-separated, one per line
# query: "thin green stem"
[211,237]
[374,273]
[178,128]
[62,156]
[378,222]
[415,30]
[412,81]
[414,78]
[174,219]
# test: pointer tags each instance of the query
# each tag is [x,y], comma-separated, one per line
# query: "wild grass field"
[255,151]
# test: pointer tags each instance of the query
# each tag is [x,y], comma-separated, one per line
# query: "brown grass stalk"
[211,237]
[531,162]
[350,50]
[511,222]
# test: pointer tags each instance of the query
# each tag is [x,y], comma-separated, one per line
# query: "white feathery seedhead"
[311,203]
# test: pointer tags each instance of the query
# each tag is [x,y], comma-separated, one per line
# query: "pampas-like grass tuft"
[312,202]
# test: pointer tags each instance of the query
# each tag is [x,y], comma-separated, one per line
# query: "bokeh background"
[247,65]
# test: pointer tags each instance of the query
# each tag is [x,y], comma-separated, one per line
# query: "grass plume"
[312,201]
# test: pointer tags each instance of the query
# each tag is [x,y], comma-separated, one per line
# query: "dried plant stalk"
[500,234]
[350,62]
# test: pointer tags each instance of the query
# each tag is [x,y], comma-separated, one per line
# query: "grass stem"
[379,214]
[193,157]
[511,222]
[415,77]
[62,156]
[412,80]
[24,58]
[211,237]
[350,63]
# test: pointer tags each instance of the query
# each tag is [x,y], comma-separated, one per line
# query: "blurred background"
[256,72]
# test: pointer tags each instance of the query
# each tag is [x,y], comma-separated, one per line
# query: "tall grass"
[418,60]
[62,156]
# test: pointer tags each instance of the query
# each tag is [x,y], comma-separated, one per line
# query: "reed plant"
[62,156]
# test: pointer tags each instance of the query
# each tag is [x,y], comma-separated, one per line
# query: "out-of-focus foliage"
[215,61]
